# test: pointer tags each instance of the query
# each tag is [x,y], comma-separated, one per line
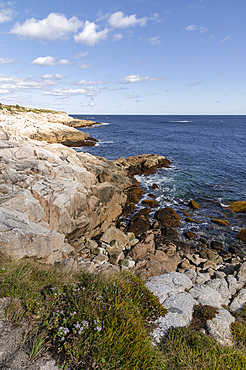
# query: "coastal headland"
[77,211]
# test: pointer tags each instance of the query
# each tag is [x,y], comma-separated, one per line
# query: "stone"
[150,203]
[219,327]
[132,243]
[238,302]
[191,274]
[239,206]
[202,278]
[193,204]
[217,245]
[219,275]
[195,259]
[242,235]
[116,256]
[206,295]
[162,285]
[113,233]
[144,163]
[211,256]
[90,244]
[233,284]
[190,235]
[180,308]
[100,259]
[209,264]
[220,222]
[127,263]
[220,285]
[189,219]
[20,238]
[242,271]
[143,248]
[140,222]
[167,216]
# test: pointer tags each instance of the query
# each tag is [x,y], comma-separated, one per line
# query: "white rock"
[206,295]
[219,327]
[238,301]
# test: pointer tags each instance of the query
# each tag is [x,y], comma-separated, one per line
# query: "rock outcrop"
[53,127]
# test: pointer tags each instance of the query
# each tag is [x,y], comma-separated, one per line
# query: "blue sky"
[124,57]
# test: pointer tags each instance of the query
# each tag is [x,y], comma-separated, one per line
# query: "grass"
[104,322]
[86,320]
[18,108]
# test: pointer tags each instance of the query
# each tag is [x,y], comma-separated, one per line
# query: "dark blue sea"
[208,155]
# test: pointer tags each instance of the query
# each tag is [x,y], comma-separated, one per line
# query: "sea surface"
[208,155]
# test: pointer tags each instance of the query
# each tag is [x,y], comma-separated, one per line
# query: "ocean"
[208,155]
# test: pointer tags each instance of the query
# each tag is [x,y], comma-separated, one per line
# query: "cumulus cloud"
[63,62]
[6,61]
[55,26]
[194,83]
[89,35]
[6,14]
[194,27]
[47,75]
[44,61]
[49,61]
[12,83]
[85,66]
[138,78]
[58,76]
[154,40]
[119,20]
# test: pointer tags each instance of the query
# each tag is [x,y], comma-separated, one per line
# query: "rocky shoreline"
[63,207]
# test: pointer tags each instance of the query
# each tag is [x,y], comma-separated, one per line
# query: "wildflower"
[3,268]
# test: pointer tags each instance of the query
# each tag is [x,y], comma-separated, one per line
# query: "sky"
[124,57]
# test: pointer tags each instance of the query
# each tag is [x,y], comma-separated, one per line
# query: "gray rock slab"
[221,286]
[219,327]
[202,278]
[180,309]
[206,295]
[238,301]
[233,284]
[164,284]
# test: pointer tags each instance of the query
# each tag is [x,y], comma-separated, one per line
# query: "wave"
[180,121]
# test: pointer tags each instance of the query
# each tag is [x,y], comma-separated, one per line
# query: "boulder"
[242,235]
[20,238]
[207,296]
[112,233]
[219,327]
[140,222]
[193,204]
[220,222]
[239,206]
[238,302]
[168,217]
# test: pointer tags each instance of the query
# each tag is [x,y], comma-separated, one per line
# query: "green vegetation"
[18,108]
[85,319]
[104,322]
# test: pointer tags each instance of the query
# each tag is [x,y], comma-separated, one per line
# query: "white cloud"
[49,61]
[6,14]
[138,78]
[55,26]
[225,39]
[59,77]
[88,105]
[6,61]
[194,27]
[63,62]
[194,83]
[85,82]
[81,55]
[154,40]
[44,61]
[117,36]
[132,96]
[89,35]
[13,83]
[47,75]
[119,20]
[85,66]
[89,91]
